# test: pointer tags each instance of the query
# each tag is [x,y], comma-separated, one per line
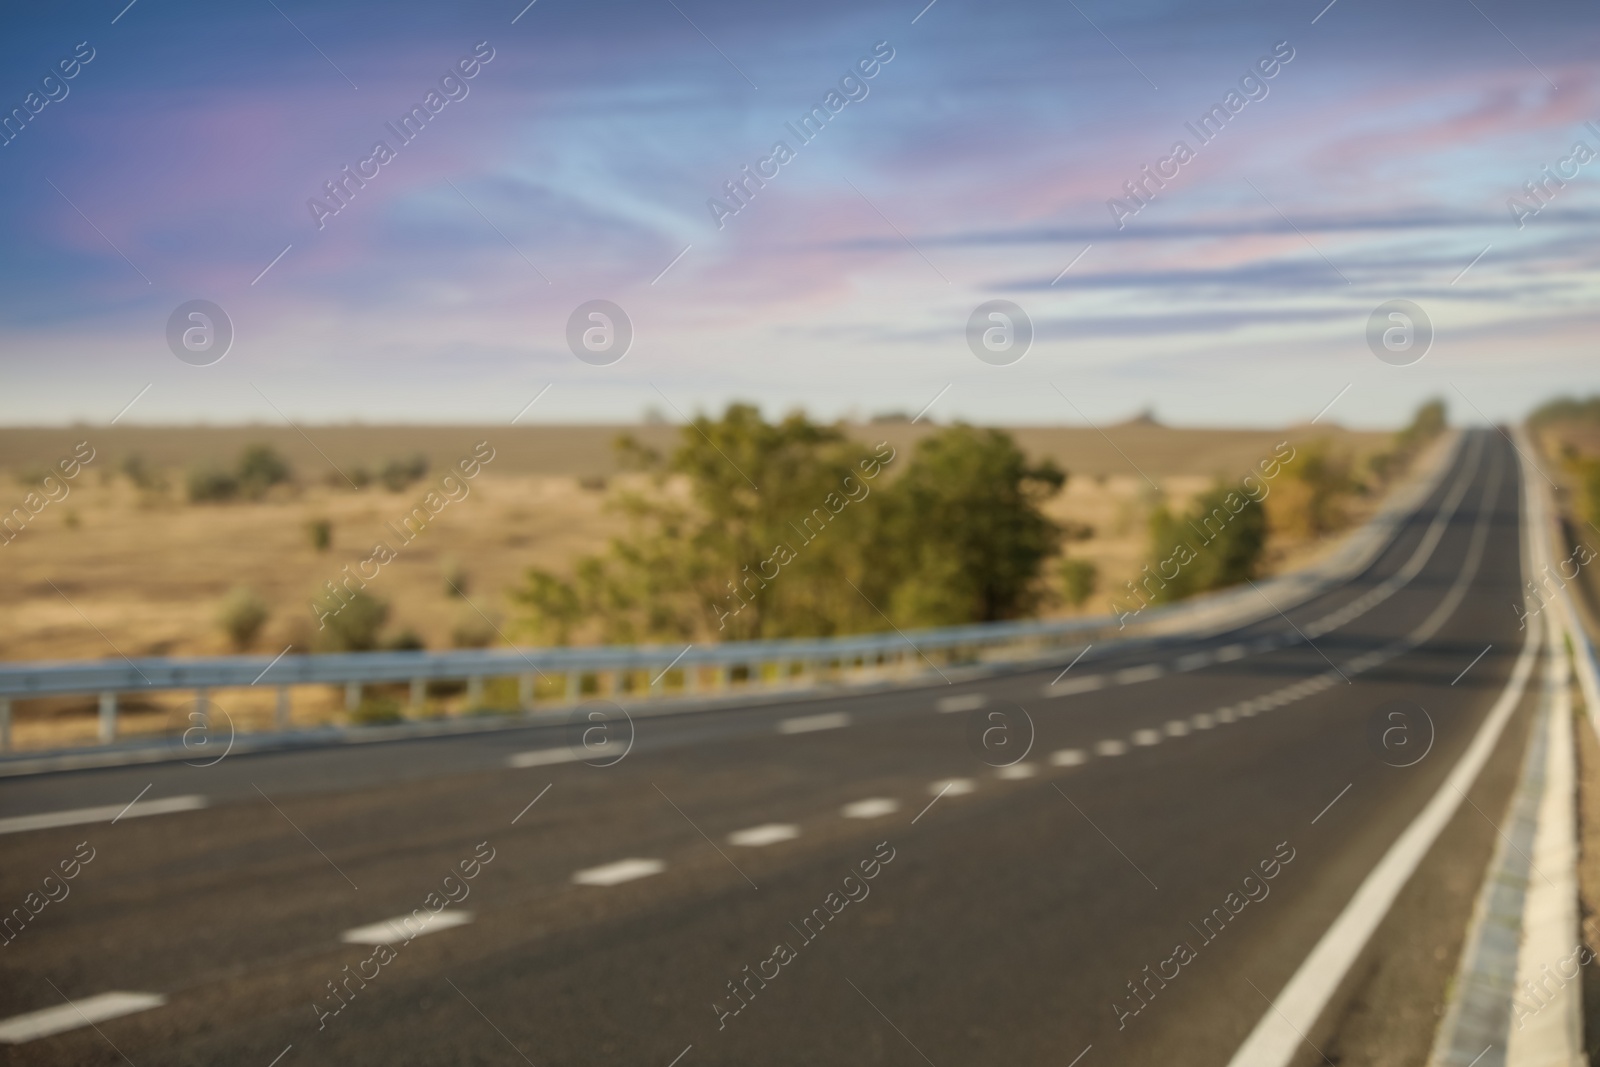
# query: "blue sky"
[579,162]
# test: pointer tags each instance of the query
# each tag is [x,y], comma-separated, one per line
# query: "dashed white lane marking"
[1177,728]
[78,816]
[1015,771]
[964,702]
[1130,675]
[871,808]
[1147,737]
[1224,715]
[405,927]
[1082,684]
[952,787]
[1193,661]
[1202,721]
[619,872]
[1229,653]
[70,1016]
[543,757]
[1110,747]
[766,834]
[806,724]
[1069,757]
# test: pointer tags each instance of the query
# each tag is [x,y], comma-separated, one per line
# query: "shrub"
[243,614]
[211,485]
[1078,578]
[455,577]
[405,641]
[355,626]
[399,473]
[473,631]
[261,468]
[321,534]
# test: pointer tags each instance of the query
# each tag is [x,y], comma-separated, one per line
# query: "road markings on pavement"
[1110,747]
[964,702]
[1069,757]
[543,757]
[1012,772]
[78,816]
[805,724]
[1229,653]
[1177,728]
[1202,721]
[1081,684]
[393,931]
[954,787]
[870,808]
[618,872]
[74,1014]
[1277,1035]
[1130,675]
[766,834]
[1193,661]
[1071,665]
[1147,737]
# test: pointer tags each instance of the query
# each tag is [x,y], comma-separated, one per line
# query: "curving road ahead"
[1188,822]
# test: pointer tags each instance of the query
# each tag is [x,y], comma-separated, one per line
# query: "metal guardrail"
[799,662]
[1586,662]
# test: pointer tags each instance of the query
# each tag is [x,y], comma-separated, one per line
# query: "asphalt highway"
[992,871]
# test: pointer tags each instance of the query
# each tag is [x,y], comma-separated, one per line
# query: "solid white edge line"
[1276,1038]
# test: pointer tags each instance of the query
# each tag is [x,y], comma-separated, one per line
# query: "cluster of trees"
[751,529]
[1307,498]
[259,468]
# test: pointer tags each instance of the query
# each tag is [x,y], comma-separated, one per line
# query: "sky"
[985,158]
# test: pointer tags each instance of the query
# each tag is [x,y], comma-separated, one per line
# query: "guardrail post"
[202,701]
[108,717]
[475,691]
[352,696]
[419,693]
[658,682]
[525,684]
[5,724]
[281,715]
[574,685]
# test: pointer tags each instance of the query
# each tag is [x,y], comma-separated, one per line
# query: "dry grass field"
[112,569]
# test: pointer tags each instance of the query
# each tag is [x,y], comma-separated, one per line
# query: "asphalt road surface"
[707,899]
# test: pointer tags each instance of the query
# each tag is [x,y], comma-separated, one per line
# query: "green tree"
[968,522]
[242,616]
[356,626]
[1218,543]
[260,468]
[1078,579]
